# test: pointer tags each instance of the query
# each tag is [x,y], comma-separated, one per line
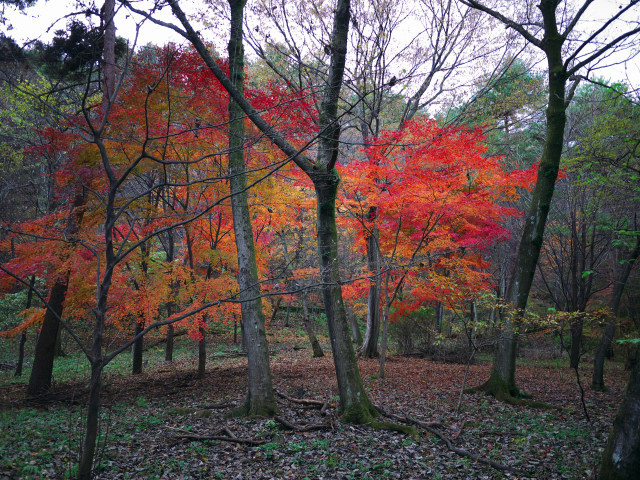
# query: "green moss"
[361,413]
[395,427]
[256,411]
[502,391]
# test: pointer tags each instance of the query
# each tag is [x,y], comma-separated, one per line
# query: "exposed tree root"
[303,401]
[228,436]
[299,428]
[509,394]
[460,451]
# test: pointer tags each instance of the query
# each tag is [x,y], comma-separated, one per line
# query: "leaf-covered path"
[154,424]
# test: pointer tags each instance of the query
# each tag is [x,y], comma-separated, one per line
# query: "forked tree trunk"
[621,458]
[260,399]
[502,382]
[96,356]
[354,403]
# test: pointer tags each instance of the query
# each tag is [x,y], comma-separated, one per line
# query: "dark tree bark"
[597,380]
[308,326]
[502,380]
[355,331]
[138,348]
[168,353]
[369,347]
[95,354]
[23,337]
[260,399]
[621,458]
[202,353]
[40,379]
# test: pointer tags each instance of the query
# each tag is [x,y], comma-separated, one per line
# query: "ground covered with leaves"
[168,424]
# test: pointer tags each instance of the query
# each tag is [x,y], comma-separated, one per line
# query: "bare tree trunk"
[575,348]
[354,402]
[621,458]
[260,399]
[168,353]
[308,326]
[502,382]
[96,357]
[23,337]
[355,331]
[597,381]
[202,353]
[138,348]
[40,379]
[369,347]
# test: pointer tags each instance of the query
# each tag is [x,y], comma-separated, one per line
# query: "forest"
[321,239]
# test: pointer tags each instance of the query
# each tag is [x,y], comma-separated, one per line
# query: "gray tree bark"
[260,399]
[621,458]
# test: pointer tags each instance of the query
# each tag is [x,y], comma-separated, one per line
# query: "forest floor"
[154,424]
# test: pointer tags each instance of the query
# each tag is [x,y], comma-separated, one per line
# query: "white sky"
[42,20]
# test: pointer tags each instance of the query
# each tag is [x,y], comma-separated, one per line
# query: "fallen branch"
[229,437]
[297,428]
[302,401]
[460,451]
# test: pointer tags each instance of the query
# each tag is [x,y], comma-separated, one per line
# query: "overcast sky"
[42,20]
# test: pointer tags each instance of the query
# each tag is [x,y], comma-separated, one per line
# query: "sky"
[42,20]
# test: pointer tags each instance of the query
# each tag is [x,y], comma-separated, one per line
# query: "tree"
[260,400]
[436,213]
[621,457]
[556,34]
[354,402]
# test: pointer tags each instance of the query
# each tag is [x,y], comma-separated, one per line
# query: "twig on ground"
[450,446]
[303,401]
[228,437]
[296,428]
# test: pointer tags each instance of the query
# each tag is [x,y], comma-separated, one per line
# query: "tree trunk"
[354,403]
[597,380]
[87,453]
[40,379]
[502,380]
[138,348]
[621,458]
[308,326]
[96,356]
[369,347]
[355,331]
[202,353]
[59,350]
[168,353]
[23,337]
[576,342]
[260,400]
